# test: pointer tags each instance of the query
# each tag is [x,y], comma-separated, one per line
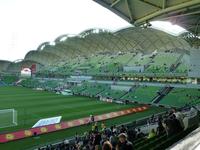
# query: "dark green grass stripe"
[50,99]
[67,108]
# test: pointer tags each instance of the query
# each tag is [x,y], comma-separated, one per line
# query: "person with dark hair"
[160,129]
[114,139]
[107,146]
[140,134]
[172,125]
[124,144]
[123,129]
[131,134]
[97,139]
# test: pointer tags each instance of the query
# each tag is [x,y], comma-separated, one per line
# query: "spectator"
[94,139]
[103,126]
[97,140]
[140,134]
[172,125]
[124,144]
[193,111]
[152,134]
[91,119]
[95,127]
[160,129]
[107,146]
[131,134]
[85,138]
[77,138]
[114,129]
[179,117]
[104,138]
[123,129]
[108,132]
[114,139]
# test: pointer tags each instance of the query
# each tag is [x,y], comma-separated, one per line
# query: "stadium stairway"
[100,92]
[176,64]
[146,66]
[133,88]
[19,81]
[121,97]
[129,60]
[162,93]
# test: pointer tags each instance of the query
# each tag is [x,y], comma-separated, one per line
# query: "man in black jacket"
[124,144]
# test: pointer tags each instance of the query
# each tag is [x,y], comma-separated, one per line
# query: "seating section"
[182,68]
[78,89]
[49,85]
[139,60]
[162,62]
[30,83]
[2,83]
[162,141]
[111,68]
[179,97]
[115,94]
[113,64]
[142,94]
[184,65]
[9,79]
[123,58]
[94,89]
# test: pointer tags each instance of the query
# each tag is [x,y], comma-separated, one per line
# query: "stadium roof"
[145,40]
[185,13]
[4,64]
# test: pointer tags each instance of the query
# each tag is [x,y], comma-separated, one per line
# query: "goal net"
[8,118]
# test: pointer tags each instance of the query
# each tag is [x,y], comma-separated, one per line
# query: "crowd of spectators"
[101,137]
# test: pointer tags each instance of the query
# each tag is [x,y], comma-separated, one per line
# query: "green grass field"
[33,105]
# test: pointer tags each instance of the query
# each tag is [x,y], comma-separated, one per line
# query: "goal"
[8,118]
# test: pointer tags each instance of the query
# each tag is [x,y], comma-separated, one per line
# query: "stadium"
[93,89]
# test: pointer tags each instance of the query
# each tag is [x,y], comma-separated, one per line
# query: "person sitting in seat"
[160,129]
[152,134]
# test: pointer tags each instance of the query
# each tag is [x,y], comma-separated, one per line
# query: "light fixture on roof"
[146,25]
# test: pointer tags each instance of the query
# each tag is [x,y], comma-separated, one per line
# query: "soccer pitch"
[32,105]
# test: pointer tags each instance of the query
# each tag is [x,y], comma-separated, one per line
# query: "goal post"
[8,118]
